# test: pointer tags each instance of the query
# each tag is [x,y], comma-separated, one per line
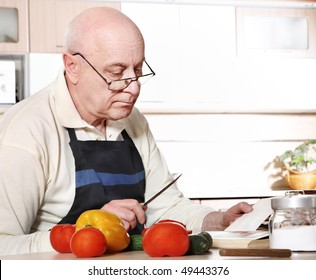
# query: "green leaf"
[299,158]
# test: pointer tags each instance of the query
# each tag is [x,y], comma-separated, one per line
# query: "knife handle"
[276,253]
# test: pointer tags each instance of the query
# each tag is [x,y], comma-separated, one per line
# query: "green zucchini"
[199,245]
[208,237]
[136,243]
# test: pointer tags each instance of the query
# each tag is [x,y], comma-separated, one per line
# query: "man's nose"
[133,87]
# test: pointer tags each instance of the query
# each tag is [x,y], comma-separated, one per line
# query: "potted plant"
[300,166]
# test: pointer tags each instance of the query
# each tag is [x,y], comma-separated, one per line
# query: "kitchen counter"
[137,265]
[140,255]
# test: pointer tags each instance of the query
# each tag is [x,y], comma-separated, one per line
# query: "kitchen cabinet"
[275,32]
[190,46]
[203,64]
[13,26]
[49,18]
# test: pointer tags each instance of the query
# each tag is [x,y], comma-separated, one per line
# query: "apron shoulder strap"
[72,134]
[125,135]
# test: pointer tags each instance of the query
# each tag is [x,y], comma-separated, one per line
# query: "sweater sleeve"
[22,190]
[20,244]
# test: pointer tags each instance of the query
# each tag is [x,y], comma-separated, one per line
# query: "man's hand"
[129,210]
[221,220]
[235,212]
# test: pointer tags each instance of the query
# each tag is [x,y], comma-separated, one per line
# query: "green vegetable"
[198,245]
[207,236]
[135,243]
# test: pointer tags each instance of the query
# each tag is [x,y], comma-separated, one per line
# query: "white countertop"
[140,255]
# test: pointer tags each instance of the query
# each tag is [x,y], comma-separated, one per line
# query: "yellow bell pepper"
[110,224]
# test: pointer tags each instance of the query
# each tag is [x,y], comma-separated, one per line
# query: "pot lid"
[294,201]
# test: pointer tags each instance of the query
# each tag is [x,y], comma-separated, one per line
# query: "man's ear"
[71,67]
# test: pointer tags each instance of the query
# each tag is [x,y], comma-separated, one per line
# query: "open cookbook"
[245,229]
[242,239]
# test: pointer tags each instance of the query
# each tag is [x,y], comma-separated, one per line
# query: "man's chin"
[122,114]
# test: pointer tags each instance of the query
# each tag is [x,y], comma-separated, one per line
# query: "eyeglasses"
[121,84]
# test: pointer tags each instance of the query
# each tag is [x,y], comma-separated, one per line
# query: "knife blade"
[161,191]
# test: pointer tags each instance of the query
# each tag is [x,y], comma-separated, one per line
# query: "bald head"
[102,46]
[93,28]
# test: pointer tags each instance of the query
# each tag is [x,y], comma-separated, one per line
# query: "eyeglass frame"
[131,79]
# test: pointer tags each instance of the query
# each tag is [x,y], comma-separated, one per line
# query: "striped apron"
[105,170]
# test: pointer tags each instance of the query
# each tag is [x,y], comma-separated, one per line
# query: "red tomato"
[60,236]
[176,222]
[88,242]
[170,221]
[166,239]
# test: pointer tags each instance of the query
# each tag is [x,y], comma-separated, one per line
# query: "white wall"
[229,155]
[43,69]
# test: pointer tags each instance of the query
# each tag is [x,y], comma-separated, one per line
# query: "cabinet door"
[13,26]
[49,19]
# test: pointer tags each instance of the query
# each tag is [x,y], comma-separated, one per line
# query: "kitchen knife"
[161,191]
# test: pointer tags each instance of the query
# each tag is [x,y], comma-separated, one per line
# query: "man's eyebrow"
[120,65]
[116,65]
[113,67]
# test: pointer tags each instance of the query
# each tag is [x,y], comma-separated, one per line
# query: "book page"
[251,221]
